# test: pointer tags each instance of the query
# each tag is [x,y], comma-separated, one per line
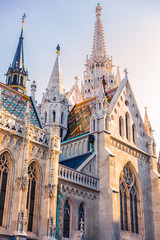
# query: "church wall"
[76,195]
[110,168]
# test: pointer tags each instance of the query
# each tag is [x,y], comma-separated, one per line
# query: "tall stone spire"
[56,81]
[98,42]
[17,75]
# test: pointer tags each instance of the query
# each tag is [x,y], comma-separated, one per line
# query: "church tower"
[17,75]
[54,106]
[99,66]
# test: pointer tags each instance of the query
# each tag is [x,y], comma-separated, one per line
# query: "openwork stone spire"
[98,42]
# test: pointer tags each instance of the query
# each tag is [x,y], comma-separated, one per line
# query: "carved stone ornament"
[22,220]
[51,190]
[22,182]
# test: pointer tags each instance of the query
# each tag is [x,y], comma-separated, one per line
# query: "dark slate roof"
[75,162]
[15,103]
[18,60]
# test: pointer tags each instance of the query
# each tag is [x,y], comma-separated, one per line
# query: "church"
[82,164]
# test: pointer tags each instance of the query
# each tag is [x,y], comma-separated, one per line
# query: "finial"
[58,49]
[76,79]
[126,73]
[98,10]
[23,17]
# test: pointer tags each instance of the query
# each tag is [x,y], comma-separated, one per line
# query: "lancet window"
[127,126]
[121,126]
[15,79]
[4,175]
[54,116]
[81,217]
[62,117]
[31,195]
[66,220]
[94,125]
[128,200]
[134,133]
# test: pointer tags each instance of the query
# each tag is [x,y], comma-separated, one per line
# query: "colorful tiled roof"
[15,103]
[79,118]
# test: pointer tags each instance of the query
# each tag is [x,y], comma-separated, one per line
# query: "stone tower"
[54,106]
[99,66]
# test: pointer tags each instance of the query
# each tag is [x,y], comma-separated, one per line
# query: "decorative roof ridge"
[35,109]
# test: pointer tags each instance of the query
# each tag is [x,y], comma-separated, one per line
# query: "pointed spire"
[18,61]
[17,75]
[56,81]
[118,78]
[98,42]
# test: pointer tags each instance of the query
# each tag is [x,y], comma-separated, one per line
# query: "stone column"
[22,181]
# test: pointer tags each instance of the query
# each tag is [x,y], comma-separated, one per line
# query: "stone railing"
[39,135]
[77,177]
[10,123]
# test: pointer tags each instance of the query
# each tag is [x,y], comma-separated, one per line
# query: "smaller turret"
[33,90]
[17,75]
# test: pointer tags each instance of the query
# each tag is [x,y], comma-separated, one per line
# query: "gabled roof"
[117,95]
[15,103]
[75,162]
[79,118]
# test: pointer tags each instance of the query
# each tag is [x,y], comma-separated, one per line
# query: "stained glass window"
[128,200]
[4,169]
[32,173]
[66,220]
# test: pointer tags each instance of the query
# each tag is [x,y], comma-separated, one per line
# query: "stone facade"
[82,165]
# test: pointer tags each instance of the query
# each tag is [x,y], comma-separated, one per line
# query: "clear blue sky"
[132,35]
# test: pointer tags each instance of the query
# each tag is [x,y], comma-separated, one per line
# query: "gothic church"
[80,165]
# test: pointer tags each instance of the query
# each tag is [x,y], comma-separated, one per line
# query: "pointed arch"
[130,197]
[6,181]
[67,218]
[127,124]
[33,195]
[121,126]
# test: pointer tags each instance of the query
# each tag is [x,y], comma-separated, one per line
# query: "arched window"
[4,174]
[33,196]
[94,125]
[134,133]
[128,200]
[54,116]
[61,133]
[127,126]
[121,126]
[62,116]
[15,79]
[45,117]
[21,82]
[9,80]
[32,173]
[81,217]
[66,220]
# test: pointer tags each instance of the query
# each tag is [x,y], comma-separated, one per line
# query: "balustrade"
[77,177]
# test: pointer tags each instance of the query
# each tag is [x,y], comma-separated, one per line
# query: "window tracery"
[66,220]
[32,184]
[128,200]
[4,170]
